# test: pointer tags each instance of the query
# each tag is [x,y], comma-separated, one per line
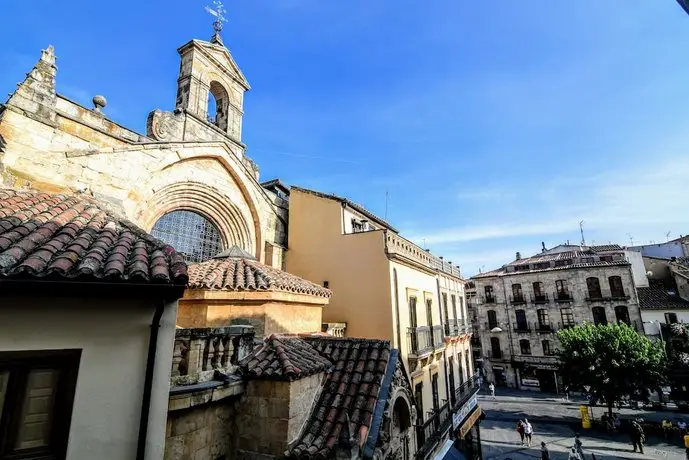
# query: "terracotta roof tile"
[284,358]
[71,237]
[243,274]
[657,297]
[351,390]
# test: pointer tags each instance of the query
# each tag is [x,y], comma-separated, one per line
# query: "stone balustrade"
[199,352]
[335,329]
[395,244]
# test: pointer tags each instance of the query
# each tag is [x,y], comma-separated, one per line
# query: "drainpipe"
[148,382]
[440,309]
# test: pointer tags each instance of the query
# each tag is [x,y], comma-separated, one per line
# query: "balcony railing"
[431,431]
[517,299]
[438,337]
[475,341]
[420,340]
[618,296]
[488,326]
[547,328]
[539,298]
[466,390]
[199,350]
[522,327]
[562,296]
[488,299]
[565,325]
[495,354]
[595,297]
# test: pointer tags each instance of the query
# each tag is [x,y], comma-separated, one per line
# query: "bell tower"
[210,86]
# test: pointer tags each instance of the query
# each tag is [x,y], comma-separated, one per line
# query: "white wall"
[113,336]
[638,268]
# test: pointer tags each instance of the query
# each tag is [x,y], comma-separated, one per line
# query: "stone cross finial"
[48,55]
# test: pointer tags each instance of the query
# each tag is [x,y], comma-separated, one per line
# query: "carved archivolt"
[206,201]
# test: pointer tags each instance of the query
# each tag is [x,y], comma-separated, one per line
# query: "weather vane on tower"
[219,14]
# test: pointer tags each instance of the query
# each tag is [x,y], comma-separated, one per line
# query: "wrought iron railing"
[517,299]
[562,296]
[539,298]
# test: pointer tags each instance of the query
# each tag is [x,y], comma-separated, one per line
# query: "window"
[445,313]
[622,315]
[191,234]
[36,397]
[525,346]
[492,319]
[453,298]
[616,288]
[561,290]
[517,294]
[490,296]
[547,351]
[418,396]
[538,291]
[429,312]
[357,227]
[495,347]
[594,288]
[543,320]
[521,320]
[599,315]
[563,263]
[413,324]
[470,369]
[436,393]
[451,367]
[461,368]
[671,318]
[567,317]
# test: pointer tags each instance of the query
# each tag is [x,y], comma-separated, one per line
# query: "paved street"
[554,422]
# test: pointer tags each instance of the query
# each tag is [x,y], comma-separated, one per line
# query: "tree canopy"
[613,359]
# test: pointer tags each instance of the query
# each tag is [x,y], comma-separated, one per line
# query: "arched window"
[190,234]
[599,315]
[616,288]
[594,288]
[492,319]
[622,315]
[218,105]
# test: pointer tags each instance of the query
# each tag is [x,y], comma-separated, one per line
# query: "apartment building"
[522,305]
[386,287]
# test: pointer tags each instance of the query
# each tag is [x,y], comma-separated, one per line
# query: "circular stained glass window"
[190,234]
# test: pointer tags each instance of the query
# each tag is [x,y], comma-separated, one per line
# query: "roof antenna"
[386,205]
[581,229]
[631,238]
[667,235]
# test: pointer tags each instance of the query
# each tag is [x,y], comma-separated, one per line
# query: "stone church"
[187,180]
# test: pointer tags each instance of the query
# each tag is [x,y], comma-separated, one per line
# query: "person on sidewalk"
[545,455]
[574,455]
[491,388]
[528,431]
[520,430]
[667,428]
[578,445]
[637,436]
[566,393]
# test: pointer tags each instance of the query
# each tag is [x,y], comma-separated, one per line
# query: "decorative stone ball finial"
[99,103]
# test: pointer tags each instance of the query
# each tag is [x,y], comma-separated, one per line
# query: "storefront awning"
[448,452]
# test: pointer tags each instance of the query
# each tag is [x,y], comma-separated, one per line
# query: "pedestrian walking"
[566,393]
[637,436]
[528,431]
[520,430]
[491,388]
[574,455]
[667,428]
[578,445]
[545,455]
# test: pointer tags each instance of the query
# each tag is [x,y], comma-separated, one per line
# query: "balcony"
[517,299]
[539,299]
[475,341]
[488,326]
[522,328]
[544,328]
[488,299]
[420,341]
[431,431]
[619,297]
[562,296]
[495,354]
[566,325]
[438,337]
[466,390]
[596,297]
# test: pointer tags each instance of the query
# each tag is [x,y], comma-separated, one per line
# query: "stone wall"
[272,415]
[203,432]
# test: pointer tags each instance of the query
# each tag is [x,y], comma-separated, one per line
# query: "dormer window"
[357,226]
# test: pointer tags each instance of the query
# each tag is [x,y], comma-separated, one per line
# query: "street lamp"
[496,329]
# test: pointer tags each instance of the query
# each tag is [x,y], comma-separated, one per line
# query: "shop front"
[538,374]
[466,429]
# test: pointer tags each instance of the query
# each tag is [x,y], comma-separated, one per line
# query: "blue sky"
[492,125]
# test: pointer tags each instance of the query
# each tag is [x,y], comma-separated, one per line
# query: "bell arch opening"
[190,233]
[218,105]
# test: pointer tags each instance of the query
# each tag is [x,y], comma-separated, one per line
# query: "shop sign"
[498,368]
[466,409]
[531,383]
[469,423]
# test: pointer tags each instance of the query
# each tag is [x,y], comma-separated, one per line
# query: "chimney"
[519,255]
[543,246]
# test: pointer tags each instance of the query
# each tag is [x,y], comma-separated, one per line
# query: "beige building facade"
[520,307]
[386,287]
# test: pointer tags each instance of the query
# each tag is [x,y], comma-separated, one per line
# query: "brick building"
[520,306]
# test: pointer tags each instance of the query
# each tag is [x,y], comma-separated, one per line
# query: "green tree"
[614,360]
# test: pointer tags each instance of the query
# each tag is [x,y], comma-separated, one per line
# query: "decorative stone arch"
[220,94]
[256,246]
[206,201]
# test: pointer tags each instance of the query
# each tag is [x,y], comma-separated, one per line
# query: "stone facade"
[184,162]
[273,413]
[517,334]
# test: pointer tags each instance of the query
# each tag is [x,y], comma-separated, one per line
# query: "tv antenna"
[667,235]
[386,205]
[631,238]
[219,14]
[581,229]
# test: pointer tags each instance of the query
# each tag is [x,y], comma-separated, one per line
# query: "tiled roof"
[606,247]
[656,297]
[502,272]
[348,202]
[352,389]
[230,273]
[60,237]
[284,358]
